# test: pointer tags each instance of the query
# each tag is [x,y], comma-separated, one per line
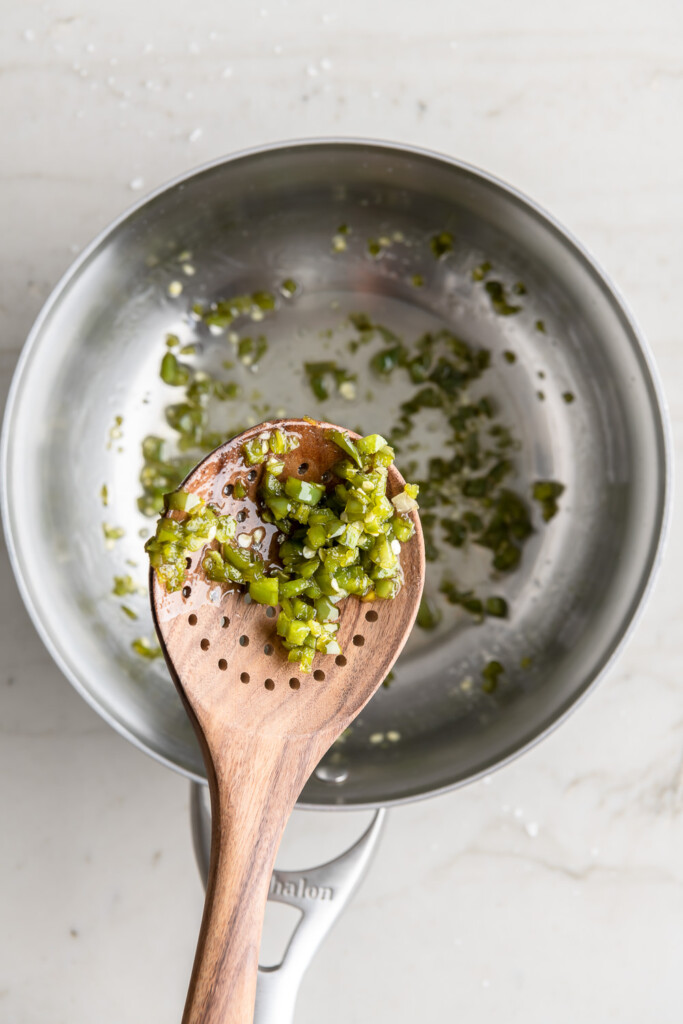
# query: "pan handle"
[320,893]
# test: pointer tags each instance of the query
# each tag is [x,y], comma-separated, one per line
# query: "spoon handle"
[254,782]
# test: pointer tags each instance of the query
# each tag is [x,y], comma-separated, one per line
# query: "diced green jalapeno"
[279,506]
[301,490]
[497,607]
[344,442]
[264,591]
[255,451]
[293,587]
[403,528]
[172,372]
[429,614]
[146,648]
[325,611]
[316,536]
[124,585]
[387,589]
[226,527]
[297,632]
[184,501]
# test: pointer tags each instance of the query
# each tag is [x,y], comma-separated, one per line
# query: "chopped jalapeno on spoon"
[341,538]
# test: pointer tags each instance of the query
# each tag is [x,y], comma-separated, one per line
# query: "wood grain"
[263,726]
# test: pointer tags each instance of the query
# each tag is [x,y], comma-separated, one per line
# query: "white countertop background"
[554,890]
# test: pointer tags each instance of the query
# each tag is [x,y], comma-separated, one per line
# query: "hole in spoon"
[241,515]
[294,684]
[245,677]
[340,660]
[228,489]
[225,622]
[187,591]
[371,616]
[192,619]
[251,476]
[269,684]
[244,641]
[205,644]
[303,468]
[359,640]
[270,612]
[319,675]
[222,664]
[268,649]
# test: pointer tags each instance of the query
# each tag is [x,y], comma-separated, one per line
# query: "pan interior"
[248,225]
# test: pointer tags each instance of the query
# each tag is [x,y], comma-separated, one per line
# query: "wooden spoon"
[262,725]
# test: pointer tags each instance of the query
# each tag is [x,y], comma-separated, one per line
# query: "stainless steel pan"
[250,221]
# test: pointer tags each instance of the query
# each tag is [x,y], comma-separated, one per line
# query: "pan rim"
[575,248]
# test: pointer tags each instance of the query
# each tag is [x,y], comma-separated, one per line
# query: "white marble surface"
[552,892]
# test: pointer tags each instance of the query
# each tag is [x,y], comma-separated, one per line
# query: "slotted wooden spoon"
[263,726]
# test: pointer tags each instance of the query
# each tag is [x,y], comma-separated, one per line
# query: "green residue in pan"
[467,497]
[491,673]
[546,493]
[441,244]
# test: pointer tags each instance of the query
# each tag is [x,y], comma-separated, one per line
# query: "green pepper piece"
[226,527]
[264,591]
[441,244]
[112,532]
[388,359]
[124,585]
[288,287]
[353,580]
[387,589]
[246,562]
[214,567]
[317,536]
[297,632]
[153,449]
[172,372]
[301,610]
[428,614]
[183,501]
[490,673]
[304,656]
[325,611]
[146,648]
[497,607]
[226,390]
[371,444]
[290,588]
[546,492]
[480,272]
[255,451]
[403,528]
[384,457]
[382,554]
[343,441]
[280,507]
[501,306]
[301,490]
